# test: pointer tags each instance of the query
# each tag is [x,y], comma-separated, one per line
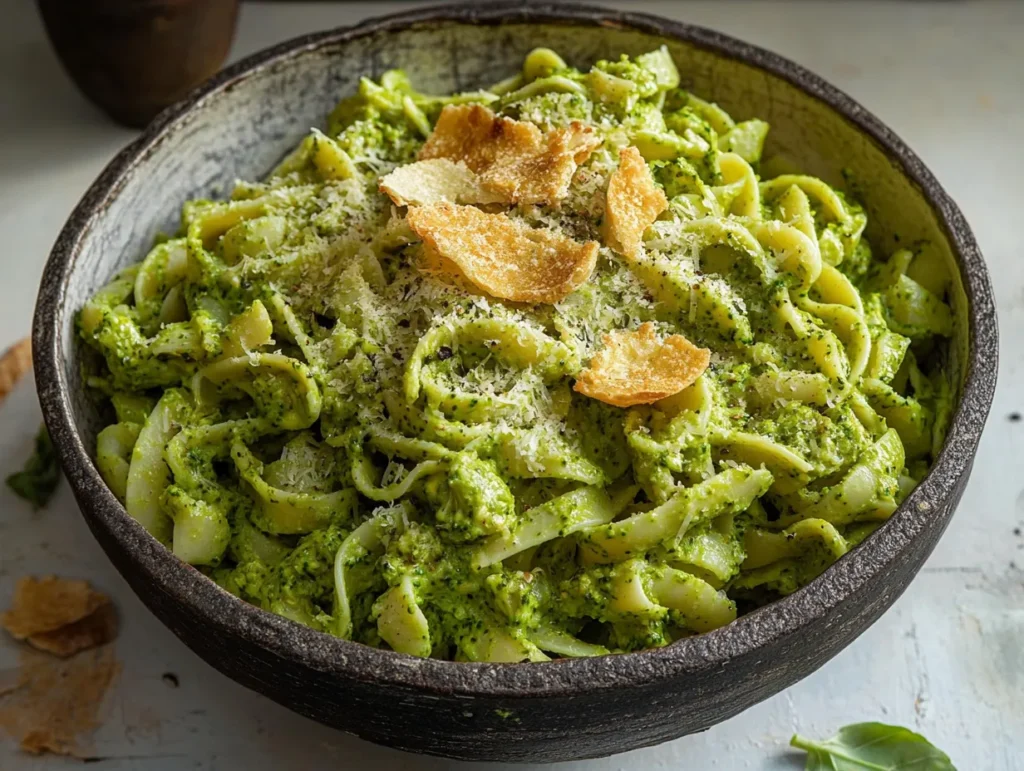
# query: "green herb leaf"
[873,746]
[38,480]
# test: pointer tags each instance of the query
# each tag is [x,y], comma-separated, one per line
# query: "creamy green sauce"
[341,438]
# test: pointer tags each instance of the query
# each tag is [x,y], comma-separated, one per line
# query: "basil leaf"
[37,482]
[873,746]
[818,761]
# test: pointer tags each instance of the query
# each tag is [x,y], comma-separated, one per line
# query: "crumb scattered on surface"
[98,628]
[56,704]
[47,604]
[14,364]
[52,701]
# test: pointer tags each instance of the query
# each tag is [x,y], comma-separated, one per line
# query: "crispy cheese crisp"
[45,604]
[544,175]
[438,180]
[634,203]
[473,134]
[56,705]
[515,160]
[16,361]
[440,267]
[503,257]
[638,367]
[98,628]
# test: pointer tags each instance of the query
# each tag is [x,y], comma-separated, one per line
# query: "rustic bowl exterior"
[240,124]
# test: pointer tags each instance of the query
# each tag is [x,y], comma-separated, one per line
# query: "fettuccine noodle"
[363,433]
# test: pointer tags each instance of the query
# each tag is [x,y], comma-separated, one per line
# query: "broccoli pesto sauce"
[312,408]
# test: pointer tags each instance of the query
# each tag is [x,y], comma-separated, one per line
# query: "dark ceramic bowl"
[240,124]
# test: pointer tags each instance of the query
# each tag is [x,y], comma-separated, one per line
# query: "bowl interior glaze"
[241,130]
[244,121]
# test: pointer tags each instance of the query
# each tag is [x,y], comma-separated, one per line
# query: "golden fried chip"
[16,361]
[438,180]
[57,704]
[515,161]
[543,177]
[98,628]
[638,367]
[503,257]
[45,604]
[634,203]
[473,134]
[431,263]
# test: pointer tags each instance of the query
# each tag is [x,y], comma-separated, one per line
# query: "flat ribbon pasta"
[555,368]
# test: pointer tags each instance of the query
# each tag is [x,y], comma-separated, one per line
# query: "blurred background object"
[133,58]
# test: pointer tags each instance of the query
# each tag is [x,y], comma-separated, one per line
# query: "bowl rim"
[224,614]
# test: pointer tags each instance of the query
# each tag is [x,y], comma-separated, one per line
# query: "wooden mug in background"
[133,58]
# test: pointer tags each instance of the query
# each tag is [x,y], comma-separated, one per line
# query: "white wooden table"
[947,660]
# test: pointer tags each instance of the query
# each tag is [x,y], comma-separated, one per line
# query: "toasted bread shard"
[633,204]
[639,367]
[14,364]
[45,604]
[515,161]
[56,705]
[60,616]
[438,180]
[98,628]
[503,257]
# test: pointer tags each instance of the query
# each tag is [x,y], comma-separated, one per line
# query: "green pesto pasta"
[337,432]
